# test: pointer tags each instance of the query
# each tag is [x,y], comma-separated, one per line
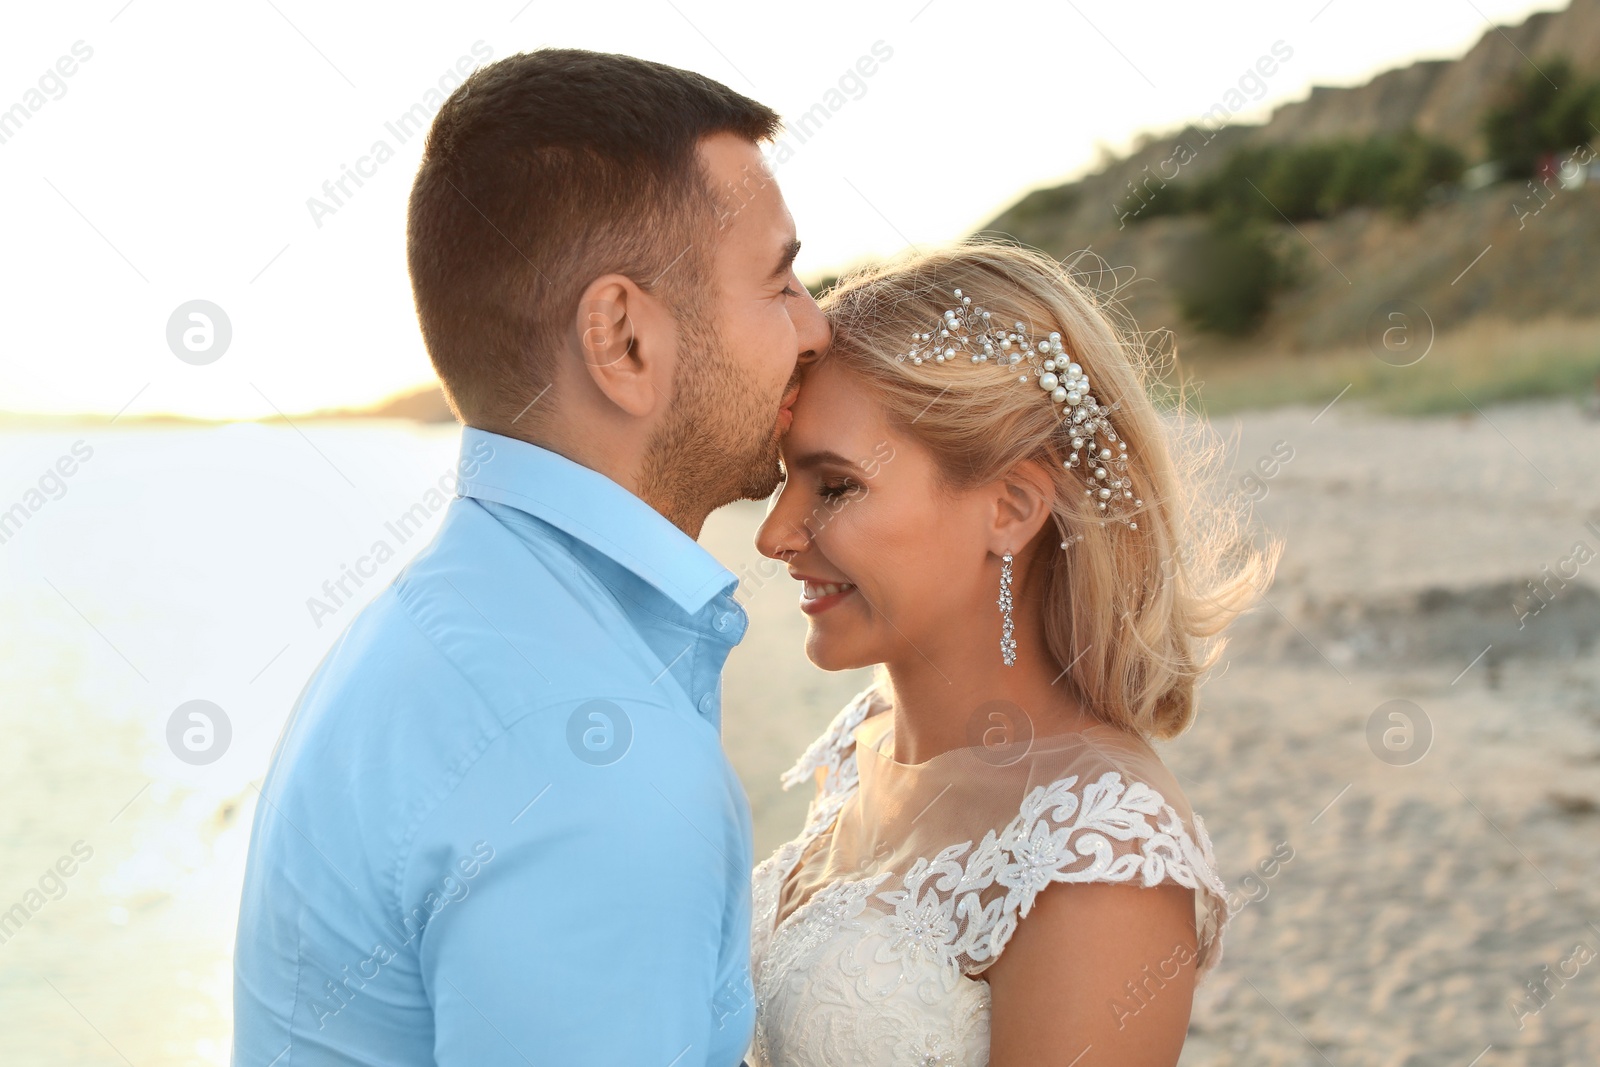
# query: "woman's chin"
[830,654]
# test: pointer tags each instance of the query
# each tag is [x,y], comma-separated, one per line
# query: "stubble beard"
[719,441]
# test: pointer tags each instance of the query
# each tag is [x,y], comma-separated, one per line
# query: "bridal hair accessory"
[966,330]
[1008,644]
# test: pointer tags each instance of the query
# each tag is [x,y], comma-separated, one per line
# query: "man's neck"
[688,516]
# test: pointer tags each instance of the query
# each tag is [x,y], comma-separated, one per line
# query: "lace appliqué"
[875,970]
[1062,836]
[824,995]
[835,754]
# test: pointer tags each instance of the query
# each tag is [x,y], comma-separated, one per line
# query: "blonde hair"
[1137,614]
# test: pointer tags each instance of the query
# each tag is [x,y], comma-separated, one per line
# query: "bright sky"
[174,163]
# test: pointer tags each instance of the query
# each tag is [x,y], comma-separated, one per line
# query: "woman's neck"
[962,695]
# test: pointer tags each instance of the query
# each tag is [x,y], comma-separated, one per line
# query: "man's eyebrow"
[790,251]
[817,459]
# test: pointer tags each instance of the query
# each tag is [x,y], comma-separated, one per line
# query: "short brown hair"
[542,172]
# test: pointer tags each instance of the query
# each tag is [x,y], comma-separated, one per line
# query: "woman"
[996,867]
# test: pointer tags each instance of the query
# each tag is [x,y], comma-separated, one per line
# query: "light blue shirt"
[500,827]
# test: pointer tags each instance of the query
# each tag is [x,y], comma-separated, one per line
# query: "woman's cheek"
[839,537]
[885,544]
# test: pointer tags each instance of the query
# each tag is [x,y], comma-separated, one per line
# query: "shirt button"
[708,703]
[723,621]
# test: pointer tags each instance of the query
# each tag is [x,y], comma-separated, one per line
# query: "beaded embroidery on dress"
[871,928]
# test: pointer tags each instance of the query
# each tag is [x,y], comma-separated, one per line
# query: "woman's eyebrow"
[820,458]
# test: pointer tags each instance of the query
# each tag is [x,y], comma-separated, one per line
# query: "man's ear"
[1023,498]
[628,343]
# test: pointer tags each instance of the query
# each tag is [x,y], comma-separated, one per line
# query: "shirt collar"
[589,506]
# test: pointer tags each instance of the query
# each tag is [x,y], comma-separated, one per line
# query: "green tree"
[1228,191]
[1361,175]
[1226,276]
[1297,178]
[1539,112]
[1424,166]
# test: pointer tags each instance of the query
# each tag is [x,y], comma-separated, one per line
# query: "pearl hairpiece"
[967,330]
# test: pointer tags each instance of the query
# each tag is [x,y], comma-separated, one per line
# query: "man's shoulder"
[499,609]
[482,628]
[482,635]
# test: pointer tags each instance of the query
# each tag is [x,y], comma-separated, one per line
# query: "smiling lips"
[818,596]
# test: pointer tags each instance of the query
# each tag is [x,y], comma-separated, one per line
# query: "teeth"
[814,590]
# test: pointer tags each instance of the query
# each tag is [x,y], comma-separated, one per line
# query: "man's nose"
[816,335]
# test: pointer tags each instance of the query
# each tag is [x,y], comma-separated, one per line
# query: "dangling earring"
[1008,644]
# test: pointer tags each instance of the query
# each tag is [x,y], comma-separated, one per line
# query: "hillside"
[1540,250]
[1443,99]
[420,405]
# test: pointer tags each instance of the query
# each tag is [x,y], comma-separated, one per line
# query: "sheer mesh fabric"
[872,927]
[1137,827]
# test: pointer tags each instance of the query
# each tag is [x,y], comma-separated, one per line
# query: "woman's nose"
[779,537]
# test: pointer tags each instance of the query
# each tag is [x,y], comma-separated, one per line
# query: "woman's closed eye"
[835,490]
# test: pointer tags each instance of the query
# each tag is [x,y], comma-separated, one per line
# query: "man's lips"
[786,409]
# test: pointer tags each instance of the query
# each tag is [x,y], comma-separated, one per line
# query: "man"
[500,827]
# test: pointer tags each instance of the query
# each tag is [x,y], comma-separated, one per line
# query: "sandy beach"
[1426,887]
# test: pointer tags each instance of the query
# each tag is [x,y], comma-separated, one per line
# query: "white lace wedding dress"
[871,928]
